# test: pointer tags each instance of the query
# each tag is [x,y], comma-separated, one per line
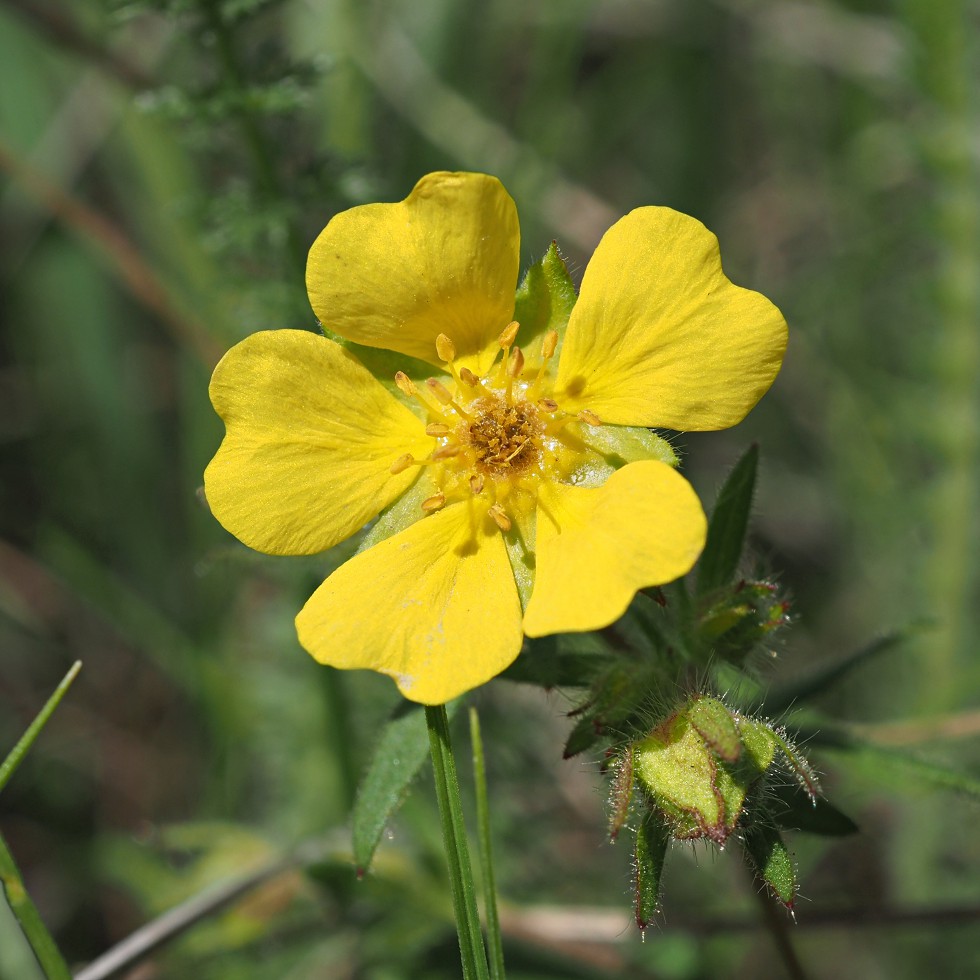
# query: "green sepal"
[584,734]
[769,858]
[717,727]
[622,444]
[620,792]
[403,513]
[652,838]
[544,301]
[679,771]
[557,661]
[397,758]
[728,525]
[793,809]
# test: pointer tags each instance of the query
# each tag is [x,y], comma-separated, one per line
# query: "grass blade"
[494,941]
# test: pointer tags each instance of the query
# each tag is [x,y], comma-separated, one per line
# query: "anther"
[546,405]
[548,346]
[434,503]
[439,390]
[500,517]
[508,334]
[437,429]
[402,463]
[469,378]
[443,395]
[476,482]
[445,348]
[405,384]
[447,452]
[515,367]
[589,418]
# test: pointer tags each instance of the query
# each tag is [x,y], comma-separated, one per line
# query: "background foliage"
[165,166]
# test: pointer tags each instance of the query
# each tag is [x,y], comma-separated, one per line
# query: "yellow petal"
[596,546]
[310,438]
[444,260]
[661,337]
[435,607]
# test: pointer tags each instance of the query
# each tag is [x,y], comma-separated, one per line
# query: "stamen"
[402,463]
[505,339]
[442,393]
[406,384]
[434,503]
[548,346]
[408,387]
[448,451]
[437,429]
[589,417]
[500,517]
[469,378]
[515,367]
[476,482]
[445,348]
[508,334]
[547,405]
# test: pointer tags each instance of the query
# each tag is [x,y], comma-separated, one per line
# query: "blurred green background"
[163,168]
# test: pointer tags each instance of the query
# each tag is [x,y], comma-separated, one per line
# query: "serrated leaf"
[769,857]
[728,525]
[827,675]
[544,300]
[652,838]
[398,756]
[793,809]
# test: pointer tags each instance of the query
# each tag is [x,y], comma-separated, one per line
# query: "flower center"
[502,436]
[495,436]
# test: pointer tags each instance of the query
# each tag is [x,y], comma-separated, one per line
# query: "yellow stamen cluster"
[494,435]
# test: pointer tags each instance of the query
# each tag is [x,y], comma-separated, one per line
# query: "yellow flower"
[519,488]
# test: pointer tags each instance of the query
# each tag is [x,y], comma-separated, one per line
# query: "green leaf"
[792,809]
[827,675]
[883,759]
[652,838]
[769,857]
[728,525]
[544,300]
[398,756]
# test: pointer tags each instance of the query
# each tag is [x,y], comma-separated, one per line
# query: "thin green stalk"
[47,953]
[494,942]
[17,753]
[471,949]
[24,909]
